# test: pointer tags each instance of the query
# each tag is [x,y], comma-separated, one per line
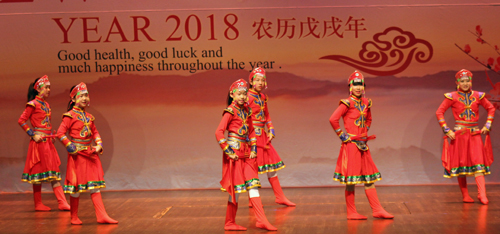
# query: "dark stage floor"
[418,209]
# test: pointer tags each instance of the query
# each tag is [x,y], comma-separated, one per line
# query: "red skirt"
[355,166]
[268,159]
[42,163]
[240,175]
[466,156]
[84,172]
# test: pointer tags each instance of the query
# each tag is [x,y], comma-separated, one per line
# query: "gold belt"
[80,146]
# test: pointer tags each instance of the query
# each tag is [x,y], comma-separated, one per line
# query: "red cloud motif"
[402,49]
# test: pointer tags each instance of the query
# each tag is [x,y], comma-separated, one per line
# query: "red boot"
[278,192]
[378,210]
[100,212]
[260,215]
[352,214]
[231,217]
[37,195]
[74,210]
[61,199]
[481,190]
[462,182]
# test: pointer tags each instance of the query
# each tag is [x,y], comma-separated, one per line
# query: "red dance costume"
[268,159]
[42,162]
[466,154]
[84,165]
[84,171]
[355,164]
[240,175]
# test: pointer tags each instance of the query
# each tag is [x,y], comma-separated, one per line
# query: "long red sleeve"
[96,135]
[23,119]
[368,118]
[61,134]
[440,114]
[219,133]
[491,112]
[269,122]
[335,118]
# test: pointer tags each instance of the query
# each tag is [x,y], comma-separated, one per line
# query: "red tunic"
[355,164]
[268,159]
[42,162]
[465,155]
[240,175]
[84,166]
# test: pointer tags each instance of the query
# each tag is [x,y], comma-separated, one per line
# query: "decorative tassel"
[488,152]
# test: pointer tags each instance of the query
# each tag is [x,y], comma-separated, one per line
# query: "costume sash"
[344,159]
[227,177]
[264,146]
[71,166]
[488,151]
[35,156]
[362,137]
[445,156]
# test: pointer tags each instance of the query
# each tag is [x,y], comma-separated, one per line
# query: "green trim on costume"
[458,171]
[271,167]
[361,179]
[38,178]
[249,184]
[240,188]
[84,187]
[253,183]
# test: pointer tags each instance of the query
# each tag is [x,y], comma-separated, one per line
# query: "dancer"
[355,164]
[84,171]
[42,163]
[268,160]
[239,168]
[466,155]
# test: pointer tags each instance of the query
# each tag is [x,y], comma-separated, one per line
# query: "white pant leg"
[236,196]
[272,174]
[253,192]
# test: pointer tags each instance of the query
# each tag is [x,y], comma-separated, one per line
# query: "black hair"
[250,81]
[32,92]
[229,99]
[71,103]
